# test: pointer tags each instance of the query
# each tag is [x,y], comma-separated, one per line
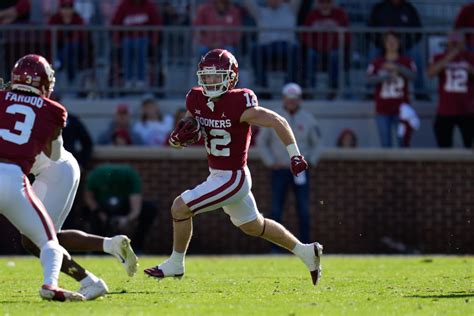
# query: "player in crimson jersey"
[455,71]
[55,184]
[391,74]
[29,124]
[225,115]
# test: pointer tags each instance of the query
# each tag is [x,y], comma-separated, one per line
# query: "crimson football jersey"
[27,123]
[226,139]
[455,85]
[390,94]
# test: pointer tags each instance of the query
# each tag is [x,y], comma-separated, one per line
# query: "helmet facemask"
[215,82]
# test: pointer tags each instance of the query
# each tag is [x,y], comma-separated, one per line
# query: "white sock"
[107,245]
[51,258]
[306,253]
[299,250]
[89,279]
[177,258]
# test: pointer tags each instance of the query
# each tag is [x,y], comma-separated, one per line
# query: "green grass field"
[266,285]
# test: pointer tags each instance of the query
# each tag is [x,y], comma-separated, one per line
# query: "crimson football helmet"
[33,73]
[218,72]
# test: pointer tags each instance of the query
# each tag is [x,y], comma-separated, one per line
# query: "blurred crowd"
[397,63]
[321,44]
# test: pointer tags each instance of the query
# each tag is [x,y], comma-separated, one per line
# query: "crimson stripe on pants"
[43,215]
[214,192]
[225,197]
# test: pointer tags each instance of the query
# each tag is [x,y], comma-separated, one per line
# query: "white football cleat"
[94,290]
[51,293]
[123,251]
[316,273]
[311,254]
[166,269]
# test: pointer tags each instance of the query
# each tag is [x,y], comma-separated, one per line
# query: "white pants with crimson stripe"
[229,189]
[19,204]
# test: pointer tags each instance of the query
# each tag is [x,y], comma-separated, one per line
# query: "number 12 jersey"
[456,85]
[226,139]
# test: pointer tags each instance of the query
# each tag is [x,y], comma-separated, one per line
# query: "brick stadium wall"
[362,201]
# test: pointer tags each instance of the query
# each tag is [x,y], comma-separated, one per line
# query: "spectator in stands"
[71,45]
[465,19]
[179,114]
[323,43]
[400,14]
[455,71]
[274,49]
[135,44]
[115,202]
[221,15]
[77,140]
[14,11]
[175,13]
[391,73]
[119,131]
[347,139]
[154,126]
[275,157]
[76,137]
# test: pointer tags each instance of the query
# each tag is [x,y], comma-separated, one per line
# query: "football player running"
[30,123]
[224,115]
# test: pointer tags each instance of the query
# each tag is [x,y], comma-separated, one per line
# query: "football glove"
[187,131]
[298,165]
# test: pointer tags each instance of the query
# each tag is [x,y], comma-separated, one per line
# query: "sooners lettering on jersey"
[455,86]
[27,123]
[391,93]
[227,140]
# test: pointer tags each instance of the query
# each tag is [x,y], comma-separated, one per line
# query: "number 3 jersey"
[392,92]
[27,123]
[455,85]
[226,139]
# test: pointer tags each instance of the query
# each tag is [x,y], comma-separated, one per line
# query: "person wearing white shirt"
[276,47]
[154,126]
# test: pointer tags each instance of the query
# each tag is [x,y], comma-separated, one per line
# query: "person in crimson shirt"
[400,14]
[465,19]
[455,71]
[134,45]
[323,44]
[221,14]
[225,115]
[31,123]
[70,44]
[391,74]
[14,11]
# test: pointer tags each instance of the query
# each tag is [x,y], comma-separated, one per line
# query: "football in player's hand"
[186,132]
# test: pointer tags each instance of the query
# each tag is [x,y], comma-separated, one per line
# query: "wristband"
[293,150]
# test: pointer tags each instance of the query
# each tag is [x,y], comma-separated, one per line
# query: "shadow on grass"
[449,295]
[148,292]
[14,302]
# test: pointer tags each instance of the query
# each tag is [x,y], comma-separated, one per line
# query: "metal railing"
[97,61]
